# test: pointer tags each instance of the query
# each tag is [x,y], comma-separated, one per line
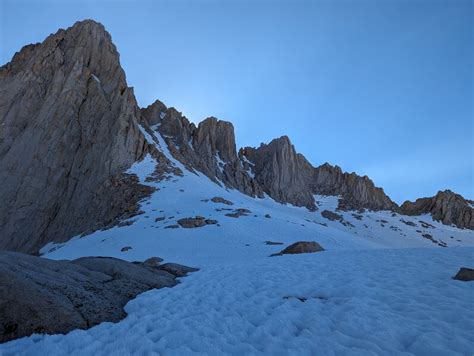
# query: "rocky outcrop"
[447,207]
[38,295]
[288,177]
[69,128]
[208,148]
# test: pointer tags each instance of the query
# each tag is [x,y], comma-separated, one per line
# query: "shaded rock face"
[446,207]
[356,192]
[69,128]
[45,296]
[208,148]
[281,172]
[289,178]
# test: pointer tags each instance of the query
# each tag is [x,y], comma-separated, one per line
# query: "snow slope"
[379,288]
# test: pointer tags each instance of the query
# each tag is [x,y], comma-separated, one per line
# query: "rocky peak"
[287,176]
[448,207]
[154,113]
[208,148]
[69,129]
[357,192]
[281,172]
[215,137]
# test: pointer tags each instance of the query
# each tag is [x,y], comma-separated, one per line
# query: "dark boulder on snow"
[221,200]
[198,221]
[327,214]
[465,274]
[300,247]
[237,213]
[38,295]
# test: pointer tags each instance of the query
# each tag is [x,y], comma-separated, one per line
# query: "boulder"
[237,213]
[300,247]
[221,200]
[198,221]
[46,296]
[327,214]
[465,274]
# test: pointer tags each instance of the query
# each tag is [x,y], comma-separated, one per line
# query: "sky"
[383,88]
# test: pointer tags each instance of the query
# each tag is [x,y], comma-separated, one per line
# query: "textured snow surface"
[380,288]
[372,302]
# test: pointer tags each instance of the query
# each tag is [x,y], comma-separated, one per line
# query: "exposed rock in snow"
[45,296]
[237,213]
[221,200]
[331,215]
[300,247]
[198,221]
[447,207]
[465,274]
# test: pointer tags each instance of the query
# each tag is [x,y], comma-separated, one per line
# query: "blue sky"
[383,88]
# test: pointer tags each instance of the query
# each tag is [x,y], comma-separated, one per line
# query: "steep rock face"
[281,172]
[288,177]
[356,192]
[208,148]
[69,127]
[445,206]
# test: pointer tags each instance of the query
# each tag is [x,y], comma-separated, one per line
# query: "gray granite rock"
[69,128]
[198,221]
[300,247]
[446,207]
[208,148]
[288,177]
[38,295]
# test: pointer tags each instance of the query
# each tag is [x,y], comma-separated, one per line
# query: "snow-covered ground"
[381,287]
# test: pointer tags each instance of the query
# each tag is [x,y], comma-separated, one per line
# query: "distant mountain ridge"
[71,127]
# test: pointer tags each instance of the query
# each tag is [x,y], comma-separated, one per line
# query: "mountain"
[448,207]
[71,129]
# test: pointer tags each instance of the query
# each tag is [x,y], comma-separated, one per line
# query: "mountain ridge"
[72,126]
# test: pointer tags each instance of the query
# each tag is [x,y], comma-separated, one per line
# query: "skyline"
[261,81]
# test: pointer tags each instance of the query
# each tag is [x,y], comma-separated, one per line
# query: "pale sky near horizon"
[383,88]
